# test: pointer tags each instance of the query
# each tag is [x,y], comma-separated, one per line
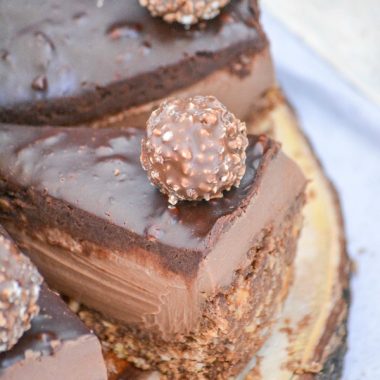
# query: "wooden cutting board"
[309,340]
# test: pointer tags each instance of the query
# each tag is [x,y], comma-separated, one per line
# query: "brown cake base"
[308,340]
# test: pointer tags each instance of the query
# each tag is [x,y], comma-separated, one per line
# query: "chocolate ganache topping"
[185,12]
[194,149]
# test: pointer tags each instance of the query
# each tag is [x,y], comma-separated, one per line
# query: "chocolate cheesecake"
[66,63]
[58,345]
[187,288]
[55,344]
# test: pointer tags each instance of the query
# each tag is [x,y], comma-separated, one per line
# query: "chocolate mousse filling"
[243,94]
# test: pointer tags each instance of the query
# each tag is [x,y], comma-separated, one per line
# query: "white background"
[345,32]
[344,128]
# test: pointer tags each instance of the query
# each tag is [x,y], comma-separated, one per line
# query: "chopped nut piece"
[185,12]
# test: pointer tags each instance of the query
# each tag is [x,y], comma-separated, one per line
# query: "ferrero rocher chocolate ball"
[185,12]
[19,290]
[194,149]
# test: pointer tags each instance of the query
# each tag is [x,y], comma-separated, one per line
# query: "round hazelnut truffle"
[19,290]
[185,12]
[194,149]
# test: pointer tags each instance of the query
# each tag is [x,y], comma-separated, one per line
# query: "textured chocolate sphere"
[19,290]
[194,149]
[186,12]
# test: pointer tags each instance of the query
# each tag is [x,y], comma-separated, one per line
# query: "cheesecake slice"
[72,62]
[193,287]
[56,344]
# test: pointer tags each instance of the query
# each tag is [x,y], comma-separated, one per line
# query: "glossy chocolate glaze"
[90,183]
[66,62]
[54,325]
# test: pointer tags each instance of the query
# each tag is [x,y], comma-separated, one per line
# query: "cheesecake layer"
[71,62]
[242,95]
[103,234]
[57,346]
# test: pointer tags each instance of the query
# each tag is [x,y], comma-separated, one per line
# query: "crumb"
[304,322]
[54,344]
[30,354]
[354,268]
